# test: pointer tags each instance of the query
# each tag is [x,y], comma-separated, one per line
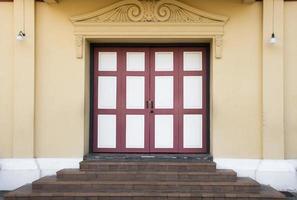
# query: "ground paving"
[289,198]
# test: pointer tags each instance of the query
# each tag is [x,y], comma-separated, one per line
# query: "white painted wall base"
[280,174]
[17,172]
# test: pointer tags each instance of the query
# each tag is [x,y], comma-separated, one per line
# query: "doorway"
[150,99]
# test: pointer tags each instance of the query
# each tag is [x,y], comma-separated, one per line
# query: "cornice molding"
[149,19]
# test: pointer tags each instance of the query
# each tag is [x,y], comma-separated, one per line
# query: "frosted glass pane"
[164,61]
[135,61]
[107,61]
[106,131]
[135,92]
[192,131]
[107,92]
[164,91]
[135,131]
[193,61]
[163,131]
[192,92]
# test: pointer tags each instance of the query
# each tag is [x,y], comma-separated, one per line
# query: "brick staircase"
[144,179]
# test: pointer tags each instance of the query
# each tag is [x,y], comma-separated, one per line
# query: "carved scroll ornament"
[187,21]
[128,11]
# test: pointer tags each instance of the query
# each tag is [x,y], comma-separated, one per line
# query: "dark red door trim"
[150,74]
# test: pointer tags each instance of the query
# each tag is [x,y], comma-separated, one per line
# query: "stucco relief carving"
[131,11]
[79,46]
[219,46]
[149,18]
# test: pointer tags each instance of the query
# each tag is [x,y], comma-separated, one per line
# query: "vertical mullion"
[147,82]
[151,98]
[180,90]
[120,108]
[175,99]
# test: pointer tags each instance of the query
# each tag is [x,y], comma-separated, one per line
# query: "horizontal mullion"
[128,73]
[136,111]
[105,73]
[193,73]
[163,73]
[106,111]
[165,111]
[193,111]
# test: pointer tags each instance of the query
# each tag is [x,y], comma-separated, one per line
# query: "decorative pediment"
[158,11]
[149,19]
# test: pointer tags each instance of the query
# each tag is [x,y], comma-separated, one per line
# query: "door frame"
[205,46]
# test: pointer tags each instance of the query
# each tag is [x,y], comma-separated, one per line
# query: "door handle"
[150,105]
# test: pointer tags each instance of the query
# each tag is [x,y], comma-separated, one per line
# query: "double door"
[150,100]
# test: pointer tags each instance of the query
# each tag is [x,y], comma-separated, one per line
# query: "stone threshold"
[148,157]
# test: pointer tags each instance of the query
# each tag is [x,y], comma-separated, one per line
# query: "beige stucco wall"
[290,80]
[60,80]
[6,78]
[236,81]
[59,86]
[60,95]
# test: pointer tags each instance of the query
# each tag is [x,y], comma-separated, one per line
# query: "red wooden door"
[150,100]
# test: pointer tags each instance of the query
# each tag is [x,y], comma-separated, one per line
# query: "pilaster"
[24,79]
[273,80]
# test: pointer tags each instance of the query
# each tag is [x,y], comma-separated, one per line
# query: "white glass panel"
[193,61]
[164,61]
[107,92]
[107,61]
[163,131]
[164,91]
[135,92]
[192,131]
[106,131]
[135,131]
[192,92]
[135,61]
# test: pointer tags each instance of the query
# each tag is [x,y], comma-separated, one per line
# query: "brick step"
[26,193]
[147,166]
[241,185]
[77,175]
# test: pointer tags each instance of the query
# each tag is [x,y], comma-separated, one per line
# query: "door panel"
[192,92]
[135,92]
[150,100]
[164,89]
[107,92]
[192,131]
[107,131]
[135,131]
[164,131]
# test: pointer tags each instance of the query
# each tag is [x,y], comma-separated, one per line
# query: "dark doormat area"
[290,195]
[2,194]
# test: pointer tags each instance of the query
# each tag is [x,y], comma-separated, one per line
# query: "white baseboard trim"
[280,174]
